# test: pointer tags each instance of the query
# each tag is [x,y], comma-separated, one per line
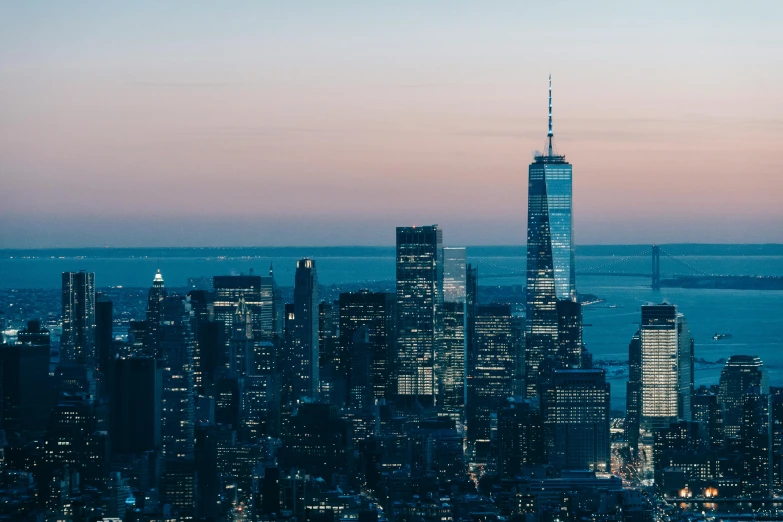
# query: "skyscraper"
[260,294]
[24,376]
[492,369]
[305,350]
[633,392]
[550,254]
[450,360]
[375,311]
[419,301]
[178,408]
[667,366]
[739,373]
[135,397]
[77,344]
[156,294]
[575,410]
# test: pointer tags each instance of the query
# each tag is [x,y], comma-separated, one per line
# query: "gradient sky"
[329,123]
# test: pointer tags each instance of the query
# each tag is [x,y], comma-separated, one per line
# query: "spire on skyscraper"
[550,134]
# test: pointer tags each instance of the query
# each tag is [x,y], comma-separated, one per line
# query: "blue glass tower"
[550,254]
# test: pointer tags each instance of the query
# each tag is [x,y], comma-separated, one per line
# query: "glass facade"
[666,366]
[77,344]
[550,259]
[419,299]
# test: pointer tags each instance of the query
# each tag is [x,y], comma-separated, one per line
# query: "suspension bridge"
[683,274]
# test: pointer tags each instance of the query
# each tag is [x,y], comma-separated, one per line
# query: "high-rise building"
[419,302]
[493,368]
[450,360]
[569,334]
[756,443]
[260,295]
[550,254]
[520,437]
[104,332]
[776,436]
[667,366]
[740,373]
[156,294]
[176,348]
[633,392]
[575,410]
[24,386]
[375,311]
[77,344]
[305,352]
[135,394]
[708,413]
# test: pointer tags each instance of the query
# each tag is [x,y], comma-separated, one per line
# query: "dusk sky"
[330,123]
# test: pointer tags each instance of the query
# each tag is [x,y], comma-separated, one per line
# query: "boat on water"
[721,336]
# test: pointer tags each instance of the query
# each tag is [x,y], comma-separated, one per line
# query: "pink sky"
[264,124]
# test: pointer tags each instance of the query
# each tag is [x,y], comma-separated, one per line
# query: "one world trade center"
[550,255]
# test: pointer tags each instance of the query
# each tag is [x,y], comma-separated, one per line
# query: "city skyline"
[121,121]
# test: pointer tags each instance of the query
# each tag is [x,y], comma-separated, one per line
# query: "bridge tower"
[656,267]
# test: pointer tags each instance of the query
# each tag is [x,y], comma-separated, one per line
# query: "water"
[753,317]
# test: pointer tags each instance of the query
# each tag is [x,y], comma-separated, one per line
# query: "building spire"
[550,134]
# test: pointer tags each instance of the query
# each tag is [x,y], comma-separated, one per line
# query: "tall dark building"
[575,409]
[156,294]
[419,302]
[305,352]
[739,373]
[633,392]
[24,370]
[520,438]
[104,336]
[492,369]
[77,344]
[375,311]
[776,435]
[569,333]
[135,395]
[756,443]
[176,344]
[550,254]
[708,413]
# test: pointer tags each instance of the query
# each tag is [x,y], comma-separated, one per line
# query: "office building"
[24,370]
[260,294]
[135,398]
[450,360]
[569,334]
[550,254]
[575,411]
[104,332]
[493,371]
[306,344]
[755,434]
[667,366]
[633,392]
[156,294]
[419,303]
[708,413]
[520,437]
[176,344]
[77,344]
[740,373]
[374,311]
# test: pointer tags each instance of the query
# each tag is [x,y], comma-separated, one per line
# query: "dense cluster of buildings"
[418,405]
